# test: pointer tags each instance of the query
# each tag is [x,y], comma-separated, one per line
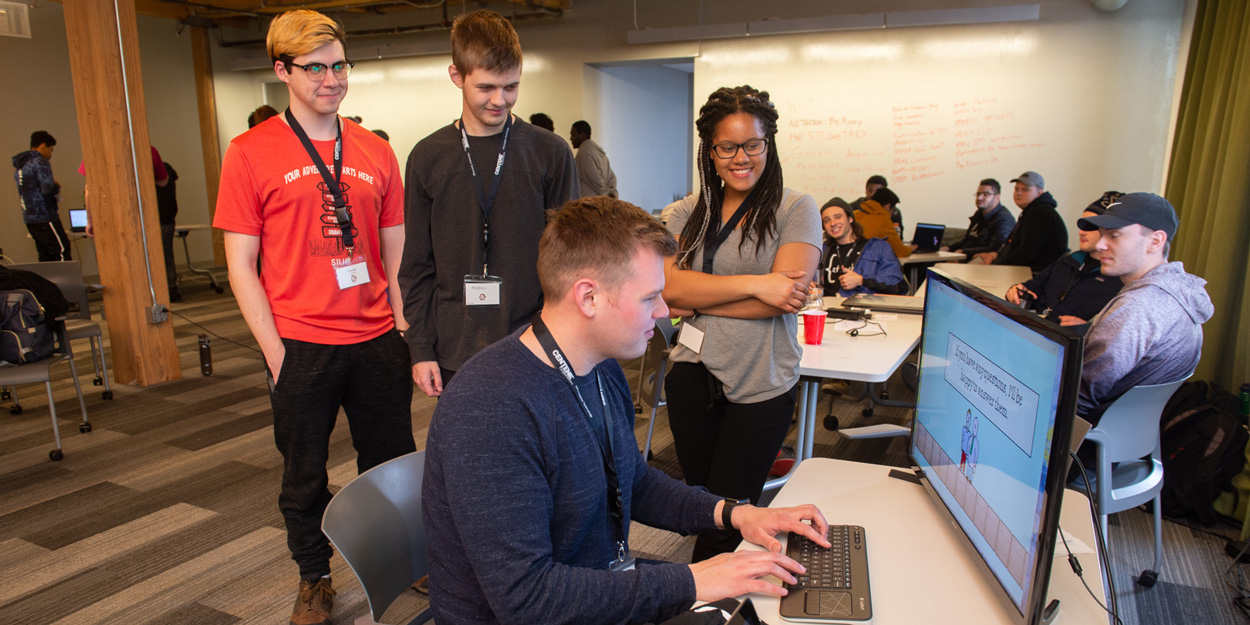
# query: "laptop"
[910,305]
[994,415]
[928,237]
[77,220]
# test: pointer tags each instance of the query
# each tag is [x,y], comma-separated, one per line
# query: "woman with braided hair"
[747,249]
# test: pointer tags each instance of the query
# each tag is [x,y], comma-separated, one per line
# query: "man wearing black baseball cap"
[1151,332]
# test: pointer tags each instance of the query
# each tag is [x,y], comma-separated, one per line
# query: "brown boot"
[312,606]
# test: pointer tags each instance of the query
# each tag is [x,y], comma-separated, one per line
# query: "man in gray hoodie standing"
[1151,332]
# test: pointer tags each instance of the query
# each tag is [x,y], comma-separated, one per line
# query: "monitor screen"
[995,403]
[78,219]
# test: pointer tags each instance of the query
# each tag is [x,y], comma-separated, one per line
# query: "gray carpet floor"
[166,512]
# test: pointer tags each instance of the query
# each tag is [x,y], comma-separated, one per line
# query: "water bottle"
[1245,399]
[206,356]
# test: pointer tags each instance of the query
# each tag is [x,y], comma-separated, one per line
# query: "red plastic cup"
[814,326]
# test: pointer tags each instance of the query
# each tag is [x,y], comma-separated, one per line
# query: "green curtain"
[1209,183]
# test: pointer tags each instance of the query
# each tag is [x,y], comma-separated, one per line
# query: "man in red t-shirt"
[319,201]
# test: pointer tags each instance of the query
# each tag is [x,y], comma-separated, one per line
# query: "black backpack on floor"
[1203,438]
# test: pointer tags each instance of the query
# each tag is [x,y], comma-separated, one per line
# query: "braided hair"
[760,221]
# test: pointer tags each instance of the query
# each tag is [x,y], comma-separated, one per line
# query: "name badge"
[482,290]
[354,274]
[690,337]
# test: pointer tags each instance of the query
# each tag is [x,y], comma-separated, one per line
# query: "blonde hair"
[484,40]
[596,237]
[296,33]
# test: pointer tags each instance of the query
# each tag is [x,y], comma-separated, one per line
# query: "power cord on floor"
[1103,556]
[188,320]
[1242,600]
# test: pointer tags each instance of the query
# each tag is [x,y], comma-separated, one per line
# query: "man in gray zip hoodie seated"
[1151,332]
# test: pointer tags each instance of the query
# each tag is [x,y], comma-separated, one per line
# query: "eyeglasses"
[754,147]
[986,193]
[317,71]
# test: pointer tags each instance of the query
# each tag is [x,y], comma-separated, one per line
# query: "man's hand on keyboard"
[762,525]
[738,573]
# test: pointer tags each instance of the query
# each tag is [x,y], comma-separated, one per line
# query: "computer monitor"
[994,408]
[78,220]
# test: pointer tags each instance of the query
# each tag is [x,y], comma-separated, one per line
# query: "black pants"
[726,447]
[167,245]
[50,240]
[372,381]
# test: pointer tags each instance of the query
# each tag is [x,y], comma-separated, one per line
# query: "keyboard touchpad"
[827,603]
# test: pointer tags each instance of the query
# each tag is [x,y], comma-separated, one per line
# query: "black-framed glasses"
[317,71]
[986,194]
[754,147]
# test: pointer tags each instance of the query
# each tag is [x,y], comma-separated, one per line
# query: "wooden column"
[206,102]
[112,121]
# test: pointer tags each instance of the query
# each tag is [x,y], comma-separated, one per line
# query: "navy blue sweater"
[515,500]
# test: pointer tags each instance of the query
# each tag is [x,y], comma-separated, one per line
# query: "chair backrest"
[1129,428]
[657,352]
[67,275]
[375,523]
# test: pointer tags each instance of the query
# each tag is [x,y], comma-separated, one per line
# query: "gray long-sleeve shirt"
[443,236]
[1150,333]
[594,172]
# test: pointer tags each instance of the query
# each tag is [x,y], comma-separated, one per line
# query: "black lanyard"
[601,427]
[486,202]
[851,258]
[716,233]
[341,215]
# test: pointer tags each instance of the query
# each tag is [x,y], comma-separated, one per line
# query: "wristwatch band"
[726,511]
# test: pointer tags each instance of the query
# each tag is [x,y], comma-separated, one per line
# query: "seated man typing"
[1073,289]
[1151,332]
[532,473]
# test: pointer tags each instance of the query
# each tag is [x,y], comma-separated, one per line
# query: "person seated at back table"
[990,225]
[1040,236]
[1072,290]
[874,217]
[853,263]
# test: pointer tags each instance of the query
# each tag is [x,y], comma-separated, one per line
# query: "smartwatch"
[727,511]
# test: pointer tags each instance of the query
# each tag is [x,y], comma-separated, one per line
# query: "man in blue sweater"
[532,474]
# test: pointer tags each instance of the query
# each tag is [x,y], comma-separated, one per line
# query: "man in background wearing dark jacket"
[989,227]
[1151,333]
[1073,290]
[39,193]
[1040,236]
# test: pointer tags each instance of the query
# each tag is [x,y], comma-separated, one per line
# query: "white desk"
[915,264]
[869,359]
[993,278]
[923,570]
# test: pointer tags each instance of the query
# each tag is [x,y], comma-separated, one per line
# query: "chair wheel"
[637,408]
[6,395]
[218,289]
[97,382]
[867,412]
[55,455]
[650,455]
[106,395]
[885,394]
[15,409]
[1148,579]
[84,427]
[831,423]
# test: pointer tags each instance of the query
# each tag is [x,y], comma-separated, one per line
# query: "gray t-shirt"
[755,359]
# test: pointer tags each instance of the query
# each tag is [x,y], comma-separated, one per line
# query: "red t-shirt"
[271,189]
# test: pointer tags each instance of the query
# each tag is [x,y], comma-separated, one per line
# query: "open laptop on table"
[77,220]
[928,237]
[994,411]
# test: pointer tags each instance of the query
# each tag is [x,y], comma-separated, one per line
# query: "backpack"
[1203,441]
[24,335]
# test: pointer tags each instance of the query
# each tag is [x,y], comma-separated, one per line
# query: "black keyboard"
[835,586]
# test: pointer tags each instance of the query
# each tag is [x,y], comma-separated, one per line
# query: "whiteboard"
[1082,97]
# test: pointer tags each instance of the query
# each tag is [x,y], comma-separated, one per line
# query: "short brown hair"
[295,33]
[484,40]
[598,237]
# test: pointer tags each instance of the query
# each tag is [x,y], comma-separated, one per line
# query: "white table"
[993,278]
[868,359]
[916,263]
[923,570]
